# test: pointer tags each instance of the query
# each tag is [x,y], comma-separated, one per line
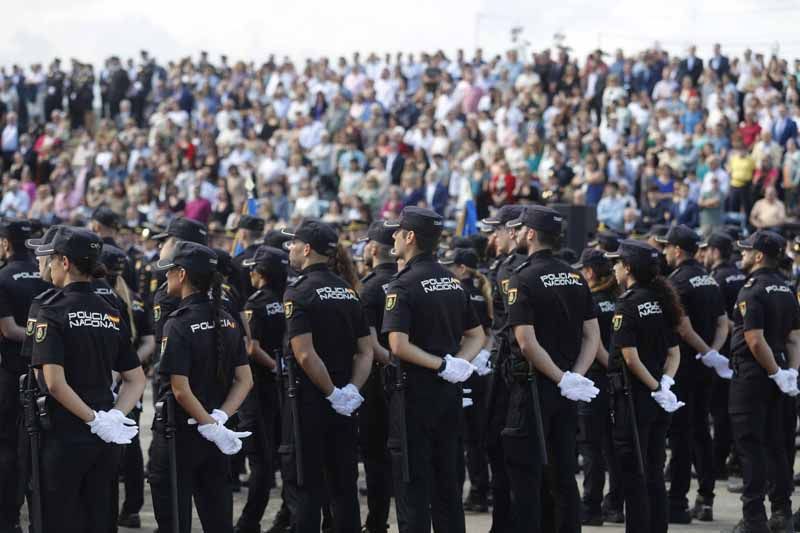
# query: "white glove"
[456,370]
[667,382]
[481,363]
[577,388]
[227,441]
[113,427]
[713,359]
[667,400]
[786,380]
[217,414]
[466,402]
[340,401]
[354,397]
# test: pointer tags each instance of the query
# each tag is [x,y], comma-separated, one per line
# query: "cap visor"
[702,245]
[577,266]
[446,262]
[285,232]
[612,255]
[744,245]
[32,244]
[159,236]
[662,240]
[43,251]
[391,223]
[164,264]
[593,243]
[248,262]
[491,221]
[514,223]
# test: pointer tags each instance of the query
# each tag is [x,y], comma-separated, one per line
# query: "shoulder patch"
[41,332]
[522,265]
[288,309]
[30,326]
[512,296]
[254,296]
[625,294]
[53,297]
[504,286]
[176,312]
[157,312]
[297,281]
[163,345]
[616,321]
[742,308]
[153,285]
[368,277]
[391,301]
[749,283]
[494,265]
[248,314]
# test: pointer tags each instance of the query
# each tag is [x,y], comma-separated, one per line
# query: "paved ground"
[727,507]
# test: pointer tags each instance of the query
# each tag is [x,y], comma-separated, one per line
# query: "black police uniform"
[242,279]
[81,332]
[730,280]
[373,417]
[690,438]
[195,337]
[322,304]
[19,284]
[550,295]
[425,302]
[260,411]
[594,423]
[756,404]
[639,322]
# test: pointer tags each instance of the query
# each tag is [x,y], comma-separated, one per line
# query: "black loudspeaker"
[581,220]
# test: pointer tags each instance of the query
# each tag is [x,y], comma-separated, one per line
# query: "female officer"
[463,262]
[79,339]
[204,365]
[644,358]
[264,312]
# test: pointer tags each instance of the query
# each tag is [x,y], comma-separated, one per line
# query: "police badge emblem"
[30,327]
[616,321]
[157,312]
[288,307]
[512,296]
[743,308]
[391,301]
[41,332]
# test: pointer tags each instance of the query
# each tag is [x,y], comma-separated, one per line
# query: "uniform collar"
[314,268]
[390,267]
[78,286]
[547,252]
[420,258]
[21,256]
[766,271]
[194,299]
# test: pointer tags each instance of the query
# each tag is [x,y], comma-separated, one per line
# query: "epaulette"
[625,294]
[509,259]
[53,297]
[368,277]
[297,281]
[522,265]
[749,283]
[45,294]
[254,295]
[178,311]
[401,272]
[226,286]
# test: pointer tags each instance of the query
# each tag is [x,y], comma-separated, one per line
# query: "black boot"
[131,521]
[477,503]
[703,509]
[750,527]
[678,515]
[781,522]
[283,521]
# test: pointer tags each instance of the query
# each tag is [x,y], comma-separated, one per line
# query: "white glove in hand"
[354,397]
[577,388]
[481,363]
[466,402]
[786,380]
[713,359]
[667,400]
[456,370]
[113,427]
[227,441]
[217,414]
[667,382]
[340,401]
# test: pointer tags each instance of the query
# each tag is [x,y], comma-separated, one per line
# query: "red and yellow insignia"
[391,301]
[41,332]
[156,312]
[616,321]
[163,345]
[743,308]
[512,296]
[30,326]
[248,314]
[504,286]
[288,308]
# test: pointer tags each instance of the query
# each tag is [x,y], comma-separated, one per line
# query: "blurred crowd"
[646,138]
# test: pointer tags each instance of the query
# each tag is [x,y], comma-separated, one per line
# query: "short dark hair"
[426,243]
[549,239]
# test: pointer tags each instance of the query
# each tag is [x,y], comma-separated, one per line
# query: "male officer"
[765,351]
[718,250]
[556,335]
[373,419]
[434,333]
[331,343]
[703,330]
[251,230]
[20,282]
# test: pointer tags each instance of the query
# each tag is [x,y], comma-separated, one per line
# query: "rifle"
[399,389]
[294,410]
[165,413]
[536,405]
[29,392]
[632,410]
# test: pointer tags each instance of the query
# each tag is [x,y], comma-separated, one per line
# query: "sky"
[38,30]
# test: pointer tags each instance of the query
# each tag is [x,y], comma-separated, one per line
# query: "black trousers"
[523,458]
[759,431]
[330,467]
[690,436]
[257,415]
[497,408]
[477,462]
[596,448]
[723,435]
[132,468]
[432,495]
[373,425]
[10,413]
[77,484]
[203,474]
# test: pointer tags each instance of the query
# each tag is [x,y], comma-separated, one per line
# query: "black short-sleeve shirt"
[373,296]
[550,295]
[265,314]
[478,301]
[730,280]
[502,279]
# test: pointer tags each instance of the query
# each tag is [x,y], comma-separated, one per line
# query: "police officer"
[204,365]
[78,340]
[265,315]
[434,333]
[105,223]
[251,230]
[765,350]
[594,436]
[373,418]
[331,343]
[19,283]
[717,258]
[644,358]
[463,263]
[703,331]
[556,334]
[508,256]
[605,241]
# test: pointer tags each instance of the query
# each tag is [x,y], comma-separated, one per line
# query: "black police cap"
[15,230]
[251,223]
[658,230]
[105,216]
[539,218]
[608,241]
[462,242]
[47,238]
[113,258]
[277,239]
[505,214]
[75,243]
[768,242]
[461,256]
[592,257]
[421,221]
[192,257]
[635,252]
[185,229]
[719,240]
[320,236]
[224,262]
[681,236]
[268,258]
[379,233]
